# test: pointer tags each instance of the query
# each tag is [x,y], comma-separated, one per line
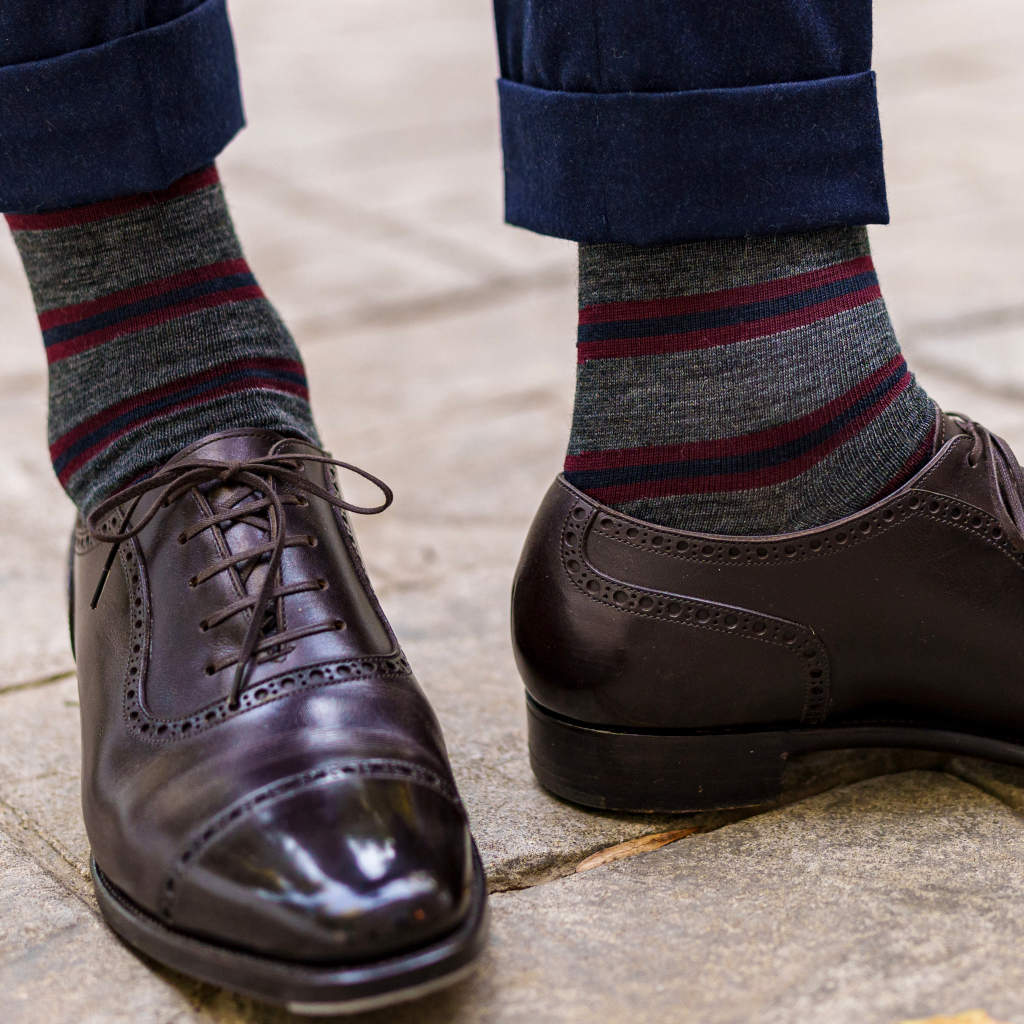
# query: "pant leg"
[106,98]
[666,120]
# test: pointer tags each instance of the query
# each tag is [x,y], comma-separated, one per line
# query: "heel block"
[653,771]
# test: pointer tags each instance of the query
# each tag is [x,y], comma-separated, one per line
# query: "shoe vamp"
[180,652]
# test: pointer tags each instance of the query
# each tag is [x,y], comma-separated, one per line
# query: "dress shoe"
[673,671]
[265,788]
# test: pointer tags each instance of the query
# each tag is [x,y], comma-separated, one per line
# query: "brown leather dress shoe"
[668,670]
[265,787]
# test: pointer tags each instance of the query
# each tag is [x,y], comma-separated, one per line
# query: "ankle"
[156,334]
[741,386]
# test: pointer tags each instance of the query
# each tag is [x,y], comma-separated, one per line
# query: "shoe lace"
[1007,472]
[260,478]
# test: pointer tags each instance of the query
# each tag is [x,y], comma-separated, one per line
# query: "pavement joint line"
[1007,391]
[972,320]
[562,866]
[565,866]
[29,826]
[35,684]
[980,785]
[444,249]
[437,306]
[370,148]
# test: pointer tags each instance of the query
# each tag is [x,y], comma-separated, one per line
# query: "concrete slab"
[891,899]
[59,963]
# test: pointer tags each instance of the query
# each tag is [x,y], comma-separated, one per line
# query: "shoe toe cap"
[358,868]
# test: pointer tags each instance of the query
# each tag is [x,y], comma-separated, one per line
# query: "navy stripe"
[110,317]
[125,420]
[727,317]
[727,465]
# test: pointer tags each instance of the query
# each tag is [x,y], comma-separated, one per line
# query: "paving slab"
[59,963]
[887,900]
[440,347]
[890,900]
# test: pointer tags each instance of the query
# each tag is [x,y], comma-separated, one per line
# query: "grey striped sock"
[741,386]
[156,333]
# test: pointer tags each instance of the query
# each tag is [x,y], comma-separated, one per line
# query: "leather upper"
[316,817]
[911,611]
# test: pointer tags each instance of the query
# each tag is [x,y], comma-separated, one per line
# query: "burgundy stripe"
[608,312]
[228,389]
[688,341]
[69,314]
[111,207]
[741,444]
[222,392]
[84,342]
[757,477]
[145,397]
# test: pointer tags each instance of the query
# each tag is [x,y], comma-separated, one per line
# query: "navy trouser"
[648,121]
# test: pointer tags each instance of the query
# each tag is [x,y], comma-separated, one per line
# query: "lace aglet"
[236,687]
[107,565]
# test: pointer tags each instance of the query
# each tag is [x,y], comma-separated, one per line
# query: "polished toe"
[354,869]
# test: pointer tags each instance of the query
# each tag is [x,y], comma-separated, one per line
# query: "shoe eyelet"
[204,627]
[322,583]
[210,670]
[182,539]
[339,625]
[311,540]
[193,583]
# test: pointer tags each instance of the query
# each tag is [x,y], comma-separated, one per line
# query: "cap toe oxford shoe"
[265,787]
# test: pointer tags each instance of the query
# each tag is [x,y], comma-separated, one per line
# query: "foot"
[669,670]
[266,789]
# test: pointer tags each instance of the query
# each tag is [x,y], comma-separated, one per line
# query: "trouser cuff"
[651,168]
[132,115]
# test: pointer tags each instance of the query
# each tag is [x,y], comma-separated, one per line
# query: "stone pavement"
[440,345]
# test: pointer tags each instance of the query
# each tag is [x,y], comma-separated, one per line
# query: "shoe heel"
[653,771]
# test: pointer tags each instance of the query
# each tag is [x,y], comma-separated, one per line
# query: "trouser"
[644,122]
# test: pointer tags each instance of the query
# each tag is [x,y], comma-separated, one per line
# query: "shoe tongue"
[238,446]
[948,428]
[230,446]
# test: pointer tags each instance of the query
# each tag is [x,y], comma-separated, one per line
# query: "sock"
[741,386]
[156,333]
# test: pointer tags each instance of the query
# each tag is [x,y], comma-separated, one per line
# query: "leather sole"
[312,989]
[660,770]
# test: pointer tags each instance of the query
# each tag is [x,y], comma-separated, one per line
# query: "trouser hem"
[131,115]
[652,168]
